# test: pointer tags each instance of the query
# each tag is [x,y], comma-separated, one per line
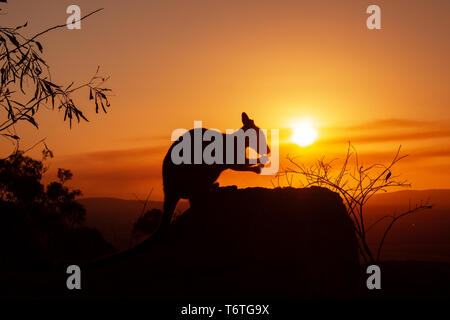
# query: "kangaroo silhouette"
[191,180]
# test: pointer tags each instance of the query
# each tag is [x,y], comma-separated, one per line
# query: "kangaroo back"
[190,179]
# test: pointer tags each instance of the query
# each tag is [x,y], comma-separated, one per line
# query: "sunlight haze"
[174,62]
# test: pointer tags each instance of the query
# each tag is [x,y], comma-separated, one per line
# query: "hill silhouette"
[115,217]
[246,243]
[421,236]
[251,242]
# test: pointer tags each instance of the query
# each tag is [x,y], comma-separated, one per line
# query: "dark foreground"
[259,244]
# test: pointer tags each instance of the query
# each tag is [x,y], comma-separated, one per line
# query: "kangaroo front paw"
[257,169]
[263,160]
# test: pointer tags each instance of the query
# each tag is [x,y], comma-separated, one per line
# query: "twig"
[48,30]
[394,219]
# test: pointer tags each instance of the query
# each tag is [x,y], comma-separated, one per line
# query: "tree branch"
[48,30]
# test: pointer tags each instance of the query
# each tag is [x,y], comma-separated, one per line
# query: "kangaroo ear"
[245,119]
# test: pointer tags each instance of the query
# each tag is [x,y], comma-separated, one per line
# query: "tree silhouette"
[26,84]
[42,223]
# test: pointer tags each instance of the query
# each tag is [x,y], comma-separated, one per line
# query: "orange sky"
[173,62]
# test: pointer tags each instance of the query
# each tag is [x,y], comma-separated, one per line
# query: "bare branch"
[394,219]
[26,83]
[32,39]
[356,184]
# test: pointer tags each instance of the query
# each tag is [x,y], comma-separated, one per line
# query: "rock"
[253,242]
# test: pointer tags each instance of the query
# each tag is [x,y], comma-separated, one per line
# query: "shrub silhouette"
[356,183]
[146,224]
[42,225]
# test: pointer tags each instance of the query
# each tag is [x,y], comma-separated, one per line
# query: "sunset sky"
[173,62]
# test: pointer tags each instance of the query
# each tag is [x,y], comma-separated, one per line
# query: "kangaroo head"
[249,124]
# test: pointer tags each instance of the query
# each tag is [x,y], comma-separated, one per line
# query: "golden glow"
[279,73]
[304,133]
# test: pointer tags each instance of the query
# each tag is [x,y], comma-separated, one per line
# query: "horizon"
[162,200]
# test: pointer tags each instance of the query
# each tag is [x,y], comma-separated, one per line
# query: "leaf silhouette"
[39,45]
[13,39]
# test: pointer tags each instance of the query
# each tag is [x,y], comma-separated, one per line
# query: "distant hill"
[438,197]
[421,236]
[114,218]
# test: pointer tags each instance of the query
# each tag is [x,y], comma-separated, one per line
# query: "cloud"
[120,154]
[123,171]
[435,152]
[394,123]
[388,137]
[387,130]
[146,139]
[114,171]
[413,155]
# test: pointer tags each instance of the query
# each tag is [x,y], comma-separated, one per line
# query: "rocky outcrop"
[252,242]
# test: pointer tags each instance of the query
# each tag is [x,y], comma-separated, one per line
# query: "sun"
[304,133]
